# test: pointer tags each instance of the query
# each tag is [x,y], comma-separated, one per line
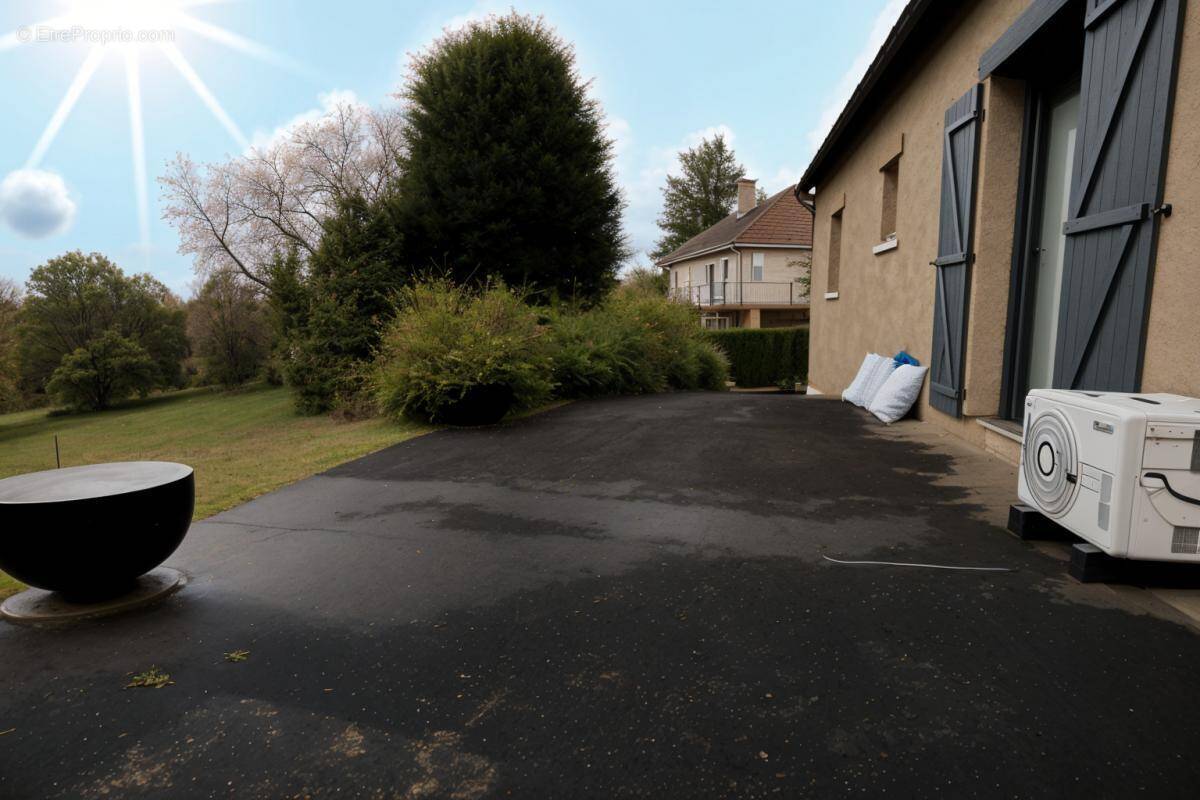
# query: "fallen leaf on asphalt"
[153,678]
[7,732]
[237,656]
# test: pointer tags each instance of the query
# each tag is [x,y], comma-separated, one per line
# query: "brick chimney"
[747,196]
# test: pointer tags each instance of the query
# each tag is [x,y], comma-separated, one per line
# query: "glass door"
[1053,194]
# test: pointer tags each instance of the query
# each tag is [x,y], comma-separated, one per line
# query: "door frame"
[1026,239]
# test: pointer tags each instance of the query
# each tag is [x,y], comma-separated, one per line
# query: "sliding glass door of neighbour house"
[1046,261]
[716,287]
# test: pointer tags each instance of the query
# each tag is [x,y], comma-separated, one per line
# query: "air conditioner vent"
[1186,540]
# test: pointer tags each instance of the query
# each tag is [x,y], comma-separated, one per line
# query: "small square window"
[757,261]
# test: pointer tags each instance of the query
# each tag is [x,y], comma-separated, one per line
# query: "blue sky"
[771,75]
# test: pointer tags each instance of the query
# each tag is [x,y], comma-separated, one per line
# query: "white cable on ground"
[927,566]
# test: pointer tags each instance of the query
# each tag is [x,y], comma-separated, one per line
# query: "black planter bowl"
[481,404]
[90,532]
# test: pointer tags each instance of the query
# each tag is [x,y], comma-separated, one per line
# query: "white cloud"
[35,203]
[880,29]
[326,102]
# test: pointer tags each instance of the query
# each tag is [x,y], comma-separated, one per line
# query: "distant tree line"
[496,169]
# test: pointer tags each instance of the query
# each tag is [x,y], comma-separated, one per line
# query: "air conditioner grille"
[1050,462]
[1186,541]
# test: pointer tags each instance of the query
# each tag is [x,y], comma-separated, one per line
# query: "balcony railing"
[741,293]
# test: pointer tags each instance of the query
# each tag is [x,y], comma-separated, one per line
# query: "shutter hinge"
[1164,209]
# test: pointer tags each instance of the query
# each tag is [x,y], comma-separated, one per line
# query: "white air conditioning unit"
[1119,470]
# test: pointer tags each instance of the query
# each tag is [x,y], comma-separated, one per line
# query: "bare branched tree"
[277,197]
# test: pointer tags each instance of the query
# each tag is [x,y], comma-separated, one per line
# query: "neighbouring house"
[1012,194]
[750,269]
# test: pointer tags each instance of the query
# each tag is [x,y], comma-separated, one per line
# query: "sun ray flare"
[137,137]
[185,69]
[239,43]
[86,70]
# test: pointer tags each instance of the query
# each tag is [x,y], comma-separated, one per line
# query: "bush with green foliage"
[507,172]
[109,368]
[764,356]
[447,341]
[334,312]
[647,279]
[74,300]
[636,342]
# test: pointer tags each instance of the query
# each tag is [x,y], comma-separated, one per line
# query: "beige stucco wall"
[885,301]
[1173,335]
[777,270]
[775,265]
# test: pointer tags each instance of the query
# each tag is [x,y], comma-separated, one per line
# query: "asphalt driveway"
[621,598]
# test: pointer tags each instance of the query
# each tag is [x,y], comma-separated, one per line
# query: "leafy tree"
[10,307]
[74,299]
[107,368]
[701,196]
[228,329]
[507,172]
[334,320]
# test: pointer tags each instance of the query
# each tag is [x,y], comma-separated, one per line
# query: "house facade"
[1012,194]
[748,270]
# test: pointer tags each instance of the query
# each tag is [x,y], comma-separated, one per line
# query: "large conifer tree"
[507,170]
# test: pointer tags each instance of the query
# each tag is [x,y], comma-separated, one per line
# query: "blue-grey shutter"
[960,152]
[1129,64]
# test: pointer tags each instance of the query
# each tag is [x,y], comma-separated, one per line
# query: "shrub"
[449,348]
[636,342]
[764,356]
[334,313]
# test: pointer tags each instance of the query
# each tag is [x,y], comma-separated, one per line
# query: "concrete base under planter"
[39,607]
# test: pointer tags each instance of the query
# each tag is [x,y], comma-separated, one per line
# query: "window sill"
[831,295]
[883,247]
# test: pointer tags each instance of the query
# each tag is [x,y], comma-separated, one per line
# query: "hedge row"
[764,356]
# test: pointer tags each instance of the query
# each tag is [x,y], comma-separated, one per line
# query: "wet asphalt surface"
[620,598]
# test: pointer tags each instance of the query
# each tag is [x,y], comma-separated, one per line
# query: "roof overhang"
[666,262]
[891,55]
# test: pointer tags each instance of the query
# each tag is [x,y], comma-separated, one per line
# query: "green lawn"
[241,444]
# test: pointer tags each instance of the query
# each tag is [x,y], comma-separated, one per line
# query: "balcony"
[741,294]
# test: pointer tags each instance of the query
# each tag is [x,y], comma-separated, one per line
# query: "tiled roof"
[780,219]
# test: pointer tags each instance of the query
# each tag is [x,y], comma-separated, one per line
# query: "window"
[891,202]
[835,255]
[724,269]
[756,266]
[675,272]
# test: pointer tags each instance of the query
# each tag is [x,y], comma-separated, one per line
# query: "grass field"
[241,444]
